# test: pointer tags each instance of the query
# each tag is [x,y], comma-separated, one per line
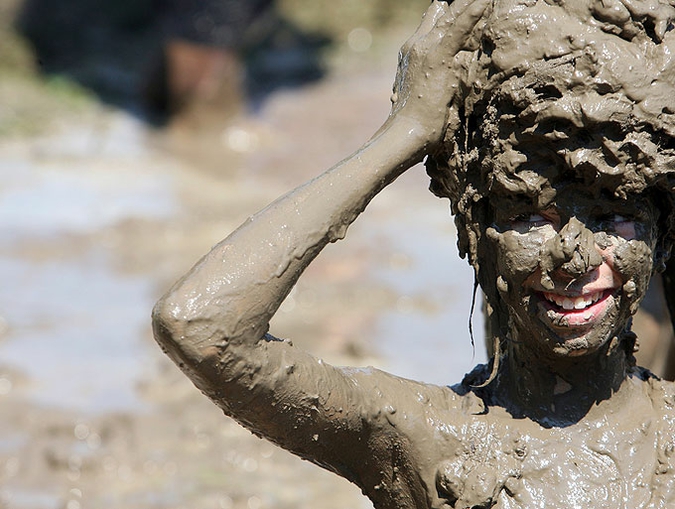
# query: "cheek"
[633,261]
[633,258]
[516,255]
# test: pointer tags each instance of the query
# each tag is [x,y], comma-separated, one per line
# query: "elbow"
[191,330]
[187,342]
[167,326]
[196,328]
[171,324]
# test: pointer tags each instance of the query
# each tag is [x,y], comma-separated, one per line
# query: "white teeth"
[582,303]
[569,303]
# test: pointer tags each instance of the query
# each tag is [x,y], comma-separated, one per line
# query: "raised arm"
[213,322]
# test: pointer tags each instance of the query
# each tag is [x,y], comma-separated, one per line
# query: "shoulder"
[661,392]
[474,391]
[401,402]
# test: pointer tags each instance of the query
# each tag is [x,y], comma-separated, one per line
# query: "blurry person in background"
[218,53]
[157,58]
[199,59]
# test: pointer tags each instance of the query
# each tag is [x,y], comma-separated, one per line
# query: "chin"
[559,341]
[575,347]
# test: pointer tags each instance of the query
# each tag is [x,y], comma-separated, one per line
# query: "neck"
[559,391]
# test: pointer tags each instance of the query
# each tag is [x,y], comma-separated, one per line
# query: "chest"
[491,464]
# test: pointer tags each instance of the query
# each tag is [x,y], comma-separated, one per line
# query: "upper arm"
[343,419]
[323,413]
[363,424]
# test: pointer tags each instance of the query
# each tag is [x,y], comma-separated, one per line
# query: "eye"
[530,219]
[622,225]
[616,219]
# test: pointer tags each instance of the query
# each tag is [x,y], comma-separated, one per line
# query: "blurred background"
[134,135]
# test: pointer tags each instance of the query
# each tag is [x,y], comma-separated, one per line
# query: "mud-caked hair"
[586,94]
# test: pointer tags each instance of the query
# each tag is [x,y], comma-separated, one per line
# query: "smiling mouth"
[566,311]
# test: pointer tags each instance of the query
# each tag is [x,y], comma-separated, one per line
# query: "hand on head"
[427,77]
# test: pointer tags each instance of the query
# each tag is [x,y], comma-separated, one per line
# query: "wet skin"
[573,271]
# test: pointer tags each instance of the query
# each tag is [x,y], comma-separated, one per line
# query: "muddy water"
[98,217]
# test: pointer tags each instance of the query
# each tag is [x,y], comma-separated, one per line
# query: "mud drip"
[628,256]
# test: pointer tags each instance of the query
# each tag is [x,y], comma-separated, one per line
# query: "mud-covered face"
[574,270]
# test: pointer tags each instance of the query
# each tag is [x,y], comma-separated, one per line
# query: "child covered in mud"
[549,125]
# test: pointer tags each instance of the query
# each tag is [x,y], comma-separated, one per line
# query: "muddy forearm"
[231,294]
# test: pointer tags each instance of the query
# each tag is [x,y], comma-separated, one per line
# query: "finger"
[456,8]
[453,11]
[458,25]
[433,14]
[461,11]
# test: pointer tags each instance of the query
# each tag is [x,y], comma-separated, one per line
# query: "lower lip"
[568,318]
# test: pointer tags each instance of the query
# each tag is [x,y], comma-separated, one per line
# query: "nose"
[573,249]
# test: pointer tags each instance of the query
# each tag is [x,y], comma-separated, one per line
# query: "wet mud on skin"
[98,217]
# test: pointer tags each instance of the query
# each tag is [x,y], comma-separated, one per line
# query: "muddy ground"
[99,213]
